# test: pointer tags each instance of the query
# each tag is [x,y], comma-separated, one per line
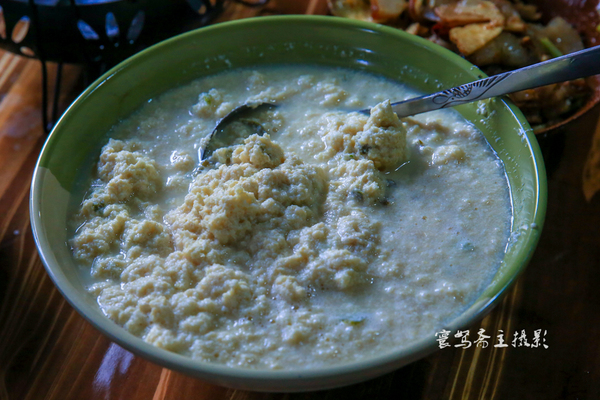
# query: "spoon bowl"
[242,114]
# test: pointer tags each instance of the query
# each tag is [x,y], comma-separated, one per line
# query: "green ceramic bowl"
[294,39]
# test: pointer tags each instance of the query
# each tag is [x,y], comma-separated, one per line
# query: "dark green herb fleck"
[356,195]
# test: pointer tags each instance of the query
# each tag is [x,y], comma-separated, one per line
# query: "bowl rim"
[213,372]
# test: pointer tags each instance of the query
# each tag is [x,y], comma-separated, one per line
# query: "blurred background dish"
[500,35]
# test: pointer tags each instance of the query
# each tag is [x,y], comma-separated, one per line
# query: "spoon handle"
[579,64]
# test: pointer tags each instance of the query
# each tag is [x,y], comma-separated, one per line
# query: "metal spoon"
[579,64]
[216,139]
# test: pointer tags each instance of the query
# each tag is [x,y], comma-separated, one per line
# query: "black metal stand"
[95,34]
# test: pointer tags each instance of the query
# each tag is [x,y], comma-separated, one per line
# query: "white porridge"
[332,237]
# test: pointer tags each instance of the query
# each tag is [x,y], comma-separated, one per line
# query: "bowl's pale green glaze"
[294,39]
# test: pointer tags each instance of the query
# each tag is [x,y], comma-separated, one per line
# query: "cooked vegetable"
[461,14]
[552,49]
[473,37]
[545,103]
[373,10]
[528,12]
[385,10]
[354,9]
[563,35]
[506,50]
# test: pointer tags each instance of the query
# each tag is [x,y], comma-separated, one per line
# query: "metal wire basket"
[94,33]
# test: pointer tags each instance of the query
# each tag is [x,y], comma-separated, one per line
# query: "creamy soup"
[321,236]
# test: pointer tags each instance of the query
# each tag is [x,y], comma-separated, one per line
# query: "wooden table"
[47,351]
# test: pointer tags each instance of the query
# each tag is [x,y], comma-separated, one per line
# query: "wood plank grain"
[20,118]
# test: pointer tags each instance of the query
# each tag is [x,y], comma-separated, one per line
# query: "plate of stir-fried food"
[498,36]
